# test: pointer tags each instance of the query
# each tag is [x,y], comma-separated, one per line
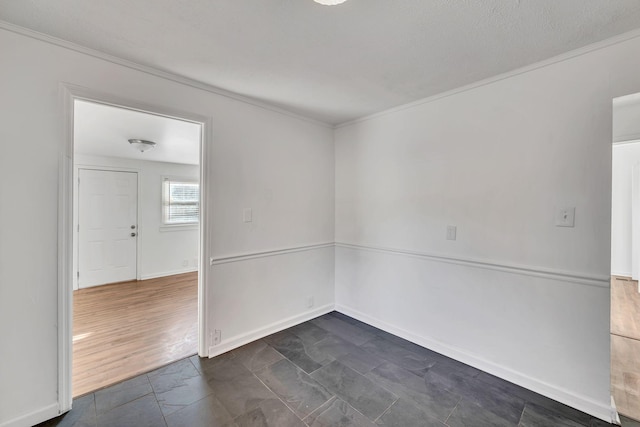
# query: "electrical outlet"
[565,217]
[217,336]
[451,232]
[247,215]
[310,302]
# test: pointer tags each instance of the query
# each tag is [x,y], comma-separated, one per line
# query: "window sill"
[179,227]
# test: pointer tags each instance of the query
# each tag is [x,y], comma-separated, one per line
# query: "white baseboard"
[615,416]
[256,334]
[575,400]
[33,418]
[167,273]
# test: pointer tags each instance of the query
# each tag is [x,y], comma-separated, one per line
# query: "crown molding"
[232,95]
[621,38]
[167,75]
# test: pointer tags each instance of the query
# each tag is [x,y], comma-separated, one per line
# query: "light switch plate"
[247,215]
[566,217]
[451,232]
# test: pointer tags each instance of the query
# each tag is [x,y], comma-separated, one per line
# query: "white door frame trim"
[68,94]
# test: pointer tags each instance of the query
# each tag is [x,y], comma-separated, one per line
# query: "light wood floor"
[625,307]
[625,346]
[125,329]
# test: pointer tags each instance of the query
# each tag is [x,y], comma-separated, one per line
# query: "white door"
[107,227]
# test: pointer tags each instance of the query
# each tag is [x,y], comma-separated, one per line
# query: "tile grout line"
[452,411]
[334,397]
[155,396]
[286,358]
[279,398]
[367,418]
[193,403]
[274,349]
[194,365]
[132,400]
[355,409]
[211,394]
[522,413]
[315,370]
[166,424]
[386,410]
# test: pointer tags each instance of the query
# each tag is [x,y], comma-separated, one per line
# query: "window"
[180,201]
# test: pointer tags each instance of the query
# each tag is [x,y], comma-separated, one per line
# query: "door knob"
[133,227]
[133,234]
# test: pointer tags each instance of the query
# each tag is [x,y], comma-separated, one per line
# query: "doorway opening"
[132,241]
[625,258]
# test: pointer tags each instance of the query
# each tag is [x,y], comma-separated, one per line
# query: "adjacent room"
[625,257]
[385,213]
[136,243]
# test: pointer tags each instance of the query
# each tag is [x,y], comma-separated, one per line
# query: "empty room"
[136,243]
[403,213]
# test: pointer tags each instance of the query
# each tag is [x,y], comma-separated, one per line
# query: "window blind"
[181,202]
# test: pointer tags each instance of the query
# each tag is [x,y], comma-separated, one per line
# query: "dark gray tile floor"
[330,371]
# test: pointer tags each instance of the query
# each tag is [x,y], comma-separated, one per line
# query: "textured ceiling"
[332,63]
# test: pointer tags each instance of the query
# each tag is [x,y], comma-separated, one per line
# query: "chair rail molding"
[547,273]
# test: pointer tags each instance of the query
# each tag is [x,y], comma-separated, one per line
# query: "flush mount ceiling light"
[330,2]
[142,145]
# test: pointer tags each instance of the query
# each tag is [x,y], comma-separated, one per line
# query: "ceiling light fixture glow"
[142,145]
[330,2]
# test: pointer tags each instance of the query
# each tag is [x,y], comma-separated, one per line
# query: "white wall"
[514,294]
[626,126]
[625,157]
[281,166]
[163,250]
[626,118]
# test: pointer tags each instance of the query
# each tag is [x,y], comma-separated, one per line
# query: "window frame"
[165,203]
